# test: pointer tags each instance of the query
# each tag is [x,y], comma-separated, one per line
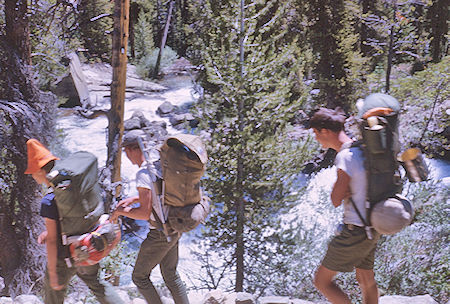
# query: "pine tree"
[144,33]
[437,18]
[333,44]
[248,77]
[95,24]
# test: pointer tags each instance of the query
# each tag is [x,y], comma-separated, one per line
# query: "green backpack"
[386,210]
[77,193]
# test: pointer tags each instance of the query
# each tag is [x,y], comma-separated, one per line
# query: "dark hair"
[49,166]
[132,146]
[328,119]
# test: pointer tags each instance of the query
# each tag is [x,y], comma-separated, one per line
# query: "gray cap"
[131,137]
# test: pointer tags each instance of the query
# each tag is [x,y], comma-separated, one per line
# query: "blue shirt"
[48,207]
[50,210]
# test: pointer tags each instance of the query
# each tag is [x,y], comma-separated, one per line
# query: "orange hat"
[38,156]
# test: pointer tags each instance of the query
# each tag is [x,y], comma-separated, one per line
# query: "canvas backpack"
[386,210]
[77,193]
[183,161]
[78,198]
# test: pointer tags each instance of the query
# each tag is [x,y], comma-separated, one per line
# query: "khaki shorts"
[351,249]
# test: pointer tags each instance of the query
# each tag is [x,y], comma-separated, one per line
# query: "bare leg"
[323,280]
[369,289]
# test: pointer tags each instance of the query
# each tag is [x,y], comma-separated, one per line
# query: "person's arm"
[52,252]
[139,213]
[341,188]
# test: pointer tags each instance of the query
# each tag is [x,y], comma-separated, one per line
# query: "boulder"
[180,118]
[425,299]
[239,298]
[298,301]
[73,85]
[123,295]
[132,124]
[27,299]
[165,109]
[214,297]
[6,300]
[245,298]
[274,300]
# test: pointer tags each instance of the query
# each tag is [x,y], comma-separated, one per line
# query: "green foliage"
[94,34]
[147,63]
[423,98]
[143,35]
[337,66]
[246,106]
[416,260]
[49,40]
[117,262]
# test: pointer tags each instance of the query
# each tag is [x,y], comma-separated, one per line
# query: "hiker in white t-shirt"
[155,249]
[351,248]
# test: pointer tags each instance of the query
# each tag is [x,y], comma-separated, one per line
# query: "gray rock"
[425,299]
[73,86]
[132,123]
[27,299]
[214,297]
[180,118]
[165,109]
[274,300]
[298,301]
[245,298]
[123,295]
[6,300]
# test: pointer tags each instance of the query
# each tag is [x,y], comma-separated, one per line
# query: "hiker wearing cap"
[350,248]
[156,249]
[58,273]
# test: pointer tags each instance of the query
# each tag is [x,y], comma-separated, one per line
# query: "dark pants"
[156,250]
[104,292]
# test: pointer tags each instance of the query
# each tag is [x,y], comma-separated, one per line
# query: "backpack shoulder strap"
[367,225]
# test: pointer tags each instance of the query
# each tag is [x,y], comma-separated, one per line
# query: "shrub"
[415,261]
[147,64]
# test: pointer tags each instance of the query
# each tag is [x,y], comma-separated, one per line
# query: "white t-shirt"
[351,161]
[143,180]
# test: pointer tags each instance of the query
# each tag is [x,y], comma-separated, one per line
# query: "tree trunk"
[24,113]
[115,115]
[16,15]
[163,40]
[390,54]
[438,16]
[240,246]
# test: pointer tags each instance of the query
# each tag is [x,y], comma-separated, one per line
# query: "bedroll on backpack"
[387,211]
[183,163]
[77,193]
[90,248]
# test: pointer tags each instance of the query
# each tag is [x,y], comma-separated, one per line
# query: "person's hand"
[126,202]
[53,280]
[42,238]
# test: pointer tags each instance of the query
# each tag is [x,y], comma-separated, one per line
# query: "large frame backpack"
[386,210]
[183,160]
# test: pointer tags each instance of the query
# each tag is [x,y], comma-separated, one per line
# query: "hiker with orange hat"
[58,274]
